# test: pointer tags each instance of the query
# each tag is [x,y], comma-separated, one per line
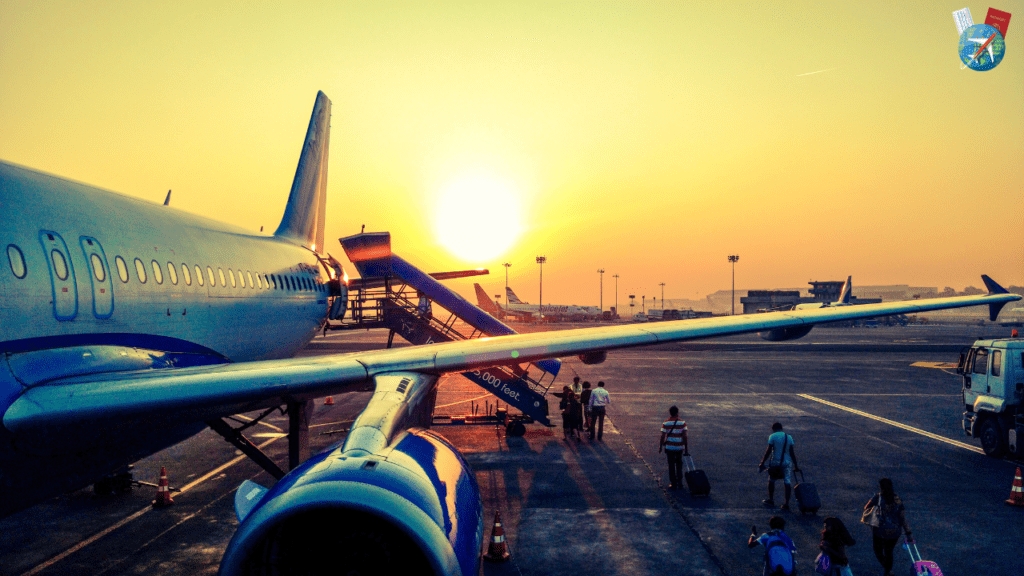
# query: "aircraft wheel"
[992,440]
[515,429]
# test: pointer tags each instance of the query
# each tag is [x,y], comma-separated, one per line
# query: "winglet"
[844,296]
[303,220]
[994,288]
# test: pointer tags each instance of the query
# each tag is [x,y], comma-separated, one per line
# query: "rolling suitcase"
[806,496]
[921,567]
[696,480]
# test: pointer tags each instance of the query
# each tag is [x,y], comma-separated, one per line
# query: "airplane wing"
[203,393]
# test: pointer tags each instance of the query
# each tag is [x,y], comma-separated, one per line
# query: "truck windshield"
[981,361]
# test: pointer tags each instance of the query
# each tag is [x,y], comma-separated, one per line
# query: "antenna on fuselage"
[167,201]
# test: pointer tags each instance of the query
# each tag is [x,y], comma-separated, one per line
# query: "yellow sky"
[648,139]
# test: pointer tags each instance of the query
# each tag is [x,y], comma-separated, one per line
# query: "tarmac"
[861,404]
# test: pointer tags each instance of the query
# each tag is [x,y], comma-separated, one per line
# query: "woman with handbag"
[834,540]
[886,516]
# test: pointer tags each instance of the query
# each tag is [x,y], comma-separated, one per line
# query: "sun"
[477,218]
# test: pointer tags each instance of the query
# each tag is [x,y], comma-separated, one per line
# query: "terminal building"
[771,300]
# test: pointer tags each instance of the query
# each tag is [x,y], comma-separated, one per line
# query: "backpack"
[778,558]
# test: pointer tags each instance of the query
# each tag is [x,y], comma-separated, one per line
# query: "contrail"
[818,72]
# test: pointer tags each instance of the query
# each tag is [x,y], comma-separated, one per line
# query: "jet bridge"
[396,295]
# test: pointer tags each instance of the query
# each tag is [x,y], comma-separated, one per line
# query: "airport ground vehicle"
[994,395]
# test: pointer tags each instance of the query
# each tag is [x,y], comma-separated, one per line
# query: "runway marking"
[963,445]
[770,394]
[136,515]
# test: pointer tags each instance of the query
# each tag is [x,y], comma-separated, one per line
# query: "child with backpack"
[779,550]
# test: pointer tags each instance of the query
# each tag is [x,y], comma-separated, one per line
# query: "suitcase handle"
[688,463]
[801,473]
[911,546]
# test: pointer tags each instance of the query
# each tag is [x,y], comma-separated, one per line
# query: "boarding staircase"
[406,311]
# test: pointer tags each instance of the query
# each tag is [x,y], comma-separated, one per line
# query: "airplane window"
[209,272]
[241,279]
[274,279]
[97,268]
[288,284]
[220,272]
[172,273]
[140,269]
[199,275]
[122,268]
[17,260]
[997,358]
[266,281]
[249,274]
[186,274]
[158,274]
[232,276]
[60,266]
[259,282]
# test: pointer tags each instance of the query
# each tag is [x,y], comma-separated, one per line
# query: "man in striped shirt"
[673,441]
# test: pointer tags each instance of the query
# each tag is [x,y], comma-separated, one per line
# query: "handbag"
[871,516]
[777,472]
[823,565]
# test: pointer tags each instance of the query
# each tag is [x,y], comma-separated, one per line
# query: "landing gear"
[117,483]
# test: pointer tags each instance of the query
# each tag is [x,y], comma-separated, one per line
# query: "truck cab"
[993,393]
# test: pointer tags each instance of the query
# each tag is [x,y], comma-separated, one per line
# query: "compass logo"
[981,46]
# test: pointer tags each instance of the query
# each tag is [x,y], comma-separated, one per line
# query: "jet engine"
[792,333]
[411,508]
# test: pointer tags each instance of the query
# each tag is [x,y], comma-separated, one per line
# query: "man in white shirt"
[599,399]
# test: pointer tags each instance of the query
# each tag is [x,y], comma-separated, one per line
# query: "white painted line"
[137,514]
[963,445]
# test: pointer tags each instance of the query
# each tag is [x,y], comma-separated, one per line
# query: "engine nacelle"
[791,333]
[412,508]
[594,357]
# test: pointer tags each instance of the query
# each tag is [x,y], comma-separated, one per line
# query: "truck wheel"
[992,440]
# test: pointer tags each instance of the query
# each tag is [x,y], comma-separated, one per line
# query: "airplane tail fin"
[484,301]
[511,297]
[844,296]
[303,220]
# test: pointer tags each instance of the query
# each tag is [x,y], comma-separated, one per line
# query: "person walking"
[782,464]
[886,516]
[599,400]
[779,549]
[834,540]
[585,401]
[570,407]
[576,388]
[675,444]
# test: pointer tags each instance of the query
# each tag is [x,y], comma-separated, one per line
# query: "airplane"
[129,326]
[526,311]
[985,43]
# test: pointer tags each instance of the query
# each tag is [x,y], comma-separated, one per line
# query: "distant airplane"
[526,311]
[129,326]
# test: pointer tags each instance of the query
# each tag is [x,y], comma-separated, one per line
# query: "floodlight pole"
[541,260]
[507,266]
[616,276]
[601,272]
[662,295]
[734,258]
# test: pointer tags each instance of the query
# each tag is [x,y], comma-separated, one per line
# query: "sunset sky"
[650,139]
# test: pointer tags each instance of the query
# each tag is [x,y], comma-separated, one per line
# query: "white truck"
[993,373]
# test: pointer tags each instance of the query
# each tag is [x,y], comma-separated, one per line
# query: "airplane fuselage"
[93,281]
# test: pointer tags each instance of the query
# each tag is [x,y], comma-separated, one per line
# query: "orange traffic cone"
[497,551]
[329,401]
[163,494]
[1017,492]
